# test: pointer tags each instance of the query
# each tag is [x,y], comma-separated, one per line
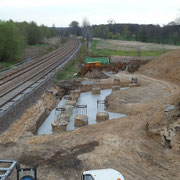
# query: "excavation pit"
[86,98]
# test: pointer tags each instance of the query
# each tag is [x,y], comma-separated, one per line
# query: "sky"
[62,12]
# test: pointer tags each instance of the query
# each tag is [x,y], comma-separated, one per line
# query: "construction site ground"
[123,144]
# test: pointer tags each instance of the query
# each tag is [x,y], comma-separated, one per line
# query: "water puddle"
[86,98]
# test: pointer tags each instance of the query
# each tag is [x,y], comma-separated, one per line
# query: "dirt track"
[122,144]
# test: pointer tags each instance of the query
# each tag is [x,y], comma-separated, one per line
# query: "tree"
[118,36]
[111,21]
[86,31]
[34,34]
[74,25]
[126,32]
[11,42]
[177,20]
[53,31]
[23,27]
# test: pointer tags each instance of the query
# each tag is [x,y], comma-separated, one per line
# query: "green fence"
[102,60]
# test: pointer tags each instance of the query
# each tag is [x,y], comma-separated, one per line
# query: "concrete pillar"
[117,81]
[80,120]
[102,116]
[72,103]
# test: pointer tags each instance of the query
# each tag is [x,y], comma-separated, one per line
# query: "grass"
[6,65]
[73,66]
[115,52]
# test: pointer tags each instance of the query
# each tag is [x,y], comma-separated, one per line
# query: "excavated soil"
[166,66]
[96,74]
[132,145]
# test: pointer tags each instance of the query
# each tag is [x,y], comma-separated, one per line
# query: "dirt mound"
[96,74]
[166,127]
[166,66]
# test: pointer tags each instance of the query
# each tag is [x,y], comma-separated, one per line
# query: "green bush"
[34,34]
[11,42]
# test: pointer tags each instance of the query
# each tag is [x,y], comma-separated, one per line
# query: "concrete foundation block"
[59,127]
[102,116]
[80,120]
[117,82]
[72,103]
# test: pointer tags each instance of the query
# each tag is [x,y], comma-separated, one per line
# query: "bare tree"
[177,20]
[86,31]
[111,21]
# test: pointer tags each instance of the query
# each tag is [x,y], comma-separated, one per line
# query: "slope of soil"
[166,66]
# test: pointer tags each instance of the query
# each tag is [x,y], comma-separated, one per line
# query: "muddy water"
[86,98]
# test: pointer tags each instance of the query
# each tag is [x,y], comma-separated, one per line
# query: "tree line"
[168,34]
[14,36]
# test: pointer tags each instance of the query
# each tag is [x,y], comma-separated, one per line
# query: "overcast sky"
[62,12]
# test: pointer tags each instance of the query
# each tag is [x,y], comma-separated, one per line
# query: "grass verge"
[8,65]
[73,66]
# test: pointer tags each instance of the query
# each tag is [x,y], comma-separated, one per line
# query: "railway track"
[18,83]
[32,64]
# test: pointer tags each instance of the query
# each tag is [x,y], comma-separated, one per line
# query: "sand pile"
[167,65]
